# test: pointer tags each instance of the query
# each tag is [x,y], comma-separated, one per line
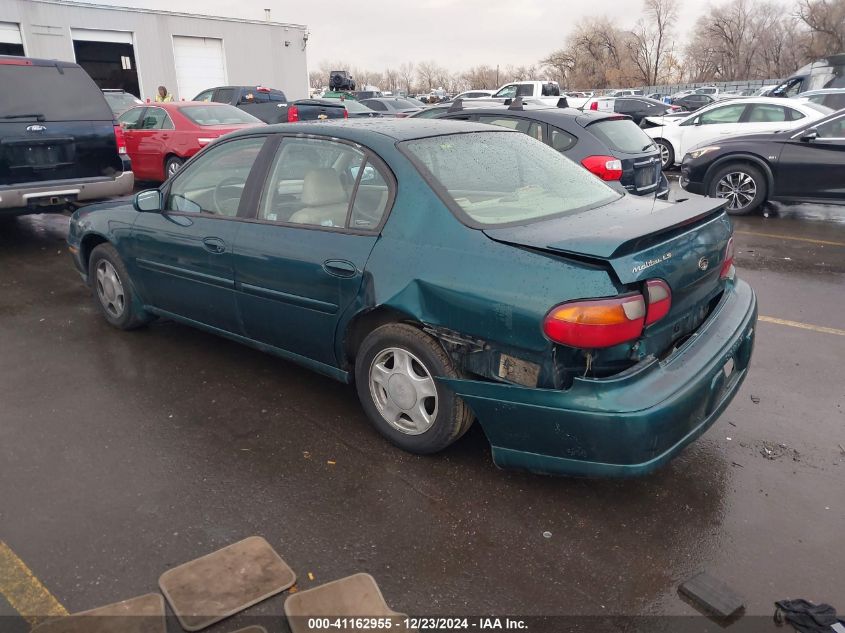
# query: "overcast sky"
[457,34]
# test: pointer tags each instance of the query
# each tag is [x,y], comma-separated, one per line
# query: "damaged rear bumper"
[629,424]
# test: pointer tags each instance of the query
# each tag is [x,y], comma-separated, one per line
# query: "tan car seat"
[326,201]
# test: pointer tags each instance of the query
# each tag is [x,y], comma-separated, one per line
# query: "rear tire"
[395,374]
[172,165]
[667,153]
[113,290]
[743,185]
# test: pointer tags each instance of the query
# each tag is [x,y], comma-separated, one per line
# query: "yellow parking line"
[803,326]
[791,237]
[24,591]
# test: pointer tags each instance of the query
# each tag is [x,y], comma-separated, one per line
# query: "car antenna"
[516,104]
[457,106]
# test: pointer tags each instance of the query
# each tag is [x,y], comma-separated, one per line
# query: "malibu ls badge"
[651,262]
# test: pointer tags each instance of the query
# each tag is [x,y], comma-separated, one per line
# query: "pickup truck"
[546,92]
[271,106]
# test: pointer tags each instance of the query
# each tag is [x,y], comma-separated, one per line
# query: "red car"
[162,136]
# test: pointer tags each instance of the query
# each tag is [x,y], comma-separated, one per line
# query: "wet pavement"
[125,454]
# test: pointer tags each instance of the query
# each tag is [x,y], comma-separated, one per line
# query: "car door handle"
[340,268]
[214,245]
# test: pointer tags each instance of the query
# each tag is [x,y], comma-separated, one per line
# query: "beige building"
[140,49]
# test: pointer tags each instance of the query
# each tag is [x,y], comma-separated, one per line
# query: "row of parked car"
[624,140]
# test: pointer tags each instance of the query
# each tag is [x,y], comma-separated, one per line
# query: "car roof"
[545,113]
[397,129]
[822,91]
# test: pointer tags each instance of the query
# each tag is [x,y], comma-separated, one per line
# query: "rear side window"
[768,113]
[224,95]
[524,90]
[562,141]
[52,93]
[531,128]
[622,135]
[131,119]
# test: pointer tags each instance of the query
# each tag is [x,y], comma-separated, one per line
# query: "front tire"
[743,185]
[113,290]
[667,153]
[395,373]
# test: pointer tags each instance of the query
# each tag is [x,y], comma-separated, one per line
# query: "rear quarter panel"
[438,271]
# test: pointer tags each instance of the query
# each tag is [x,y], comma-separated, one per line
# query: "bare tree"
[650,40]
[427,74]
[317,79]
[826,21]
[406,74]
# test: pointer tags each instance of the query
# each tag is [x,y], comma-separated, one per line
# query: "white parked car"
[728,118]
[474,94]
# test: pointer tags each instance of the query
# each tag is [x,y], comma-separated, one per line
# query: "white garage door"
[199,64]
[10,33]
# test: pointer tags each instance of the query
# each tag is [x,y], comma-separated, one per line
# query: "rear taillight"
[120,139]
[293,114]
[728,269]
[605,167]
[659,300]
[596,323]
[345,113]
[15,62]
[594,105]
[401,115]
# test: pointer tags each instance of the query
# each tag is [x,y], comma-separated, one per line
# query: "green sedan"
[453,272]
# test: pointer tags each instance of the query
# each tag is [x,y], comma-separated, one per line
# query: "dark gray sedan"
[391,106]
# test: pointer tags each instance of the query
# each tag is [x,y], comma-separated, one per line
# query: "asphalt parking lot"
[124,454]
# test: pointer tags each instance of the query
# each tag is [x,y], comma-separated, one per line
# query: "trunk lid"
[640,158]
[682,243]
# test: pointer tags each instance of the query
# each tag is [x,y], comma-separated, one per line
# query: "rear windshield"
[121,100]
[622,135]
[217,115]
[352,106]
[54,94]
[500,178]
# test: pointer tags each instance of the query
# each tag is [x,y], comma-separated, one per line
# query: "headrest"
[322,187]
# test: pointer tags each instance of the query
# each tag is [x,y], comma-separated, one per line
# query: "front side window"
[204,96]
[508,92]
[131,119]
[500,178]
[832,129]
[725,114]
[214,181]
[312,182]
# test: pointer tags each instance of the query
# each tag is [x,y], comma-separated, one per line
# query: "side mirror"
[810,135]
[148,201]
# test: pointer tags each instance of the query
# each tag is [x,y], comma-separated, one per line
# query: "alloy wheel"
[403,391]
[738,188]
[172,168]
[110,289]
[664,155]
